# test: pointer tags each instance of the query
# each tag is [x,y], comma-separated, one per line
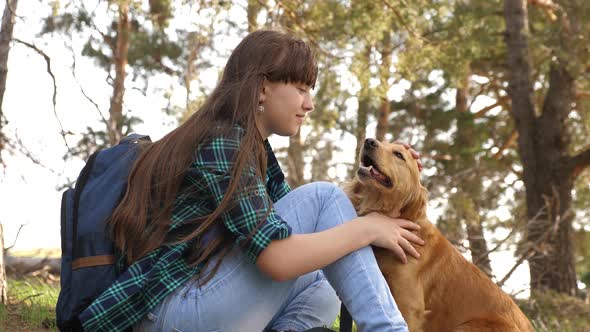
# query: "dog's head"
[388,181]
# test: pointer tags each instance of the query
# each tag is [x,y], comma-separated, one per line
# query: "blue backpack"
[89,258]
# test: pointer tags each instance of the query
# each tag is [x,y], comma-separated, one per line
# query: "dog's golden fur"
[441,291]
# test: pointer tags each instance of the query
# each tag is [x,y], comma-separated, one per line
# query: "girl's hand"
[394,234]
[414,153]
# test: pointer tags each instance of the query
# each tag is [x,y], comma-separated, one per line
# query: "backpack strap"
[345,319]
[84,175]
[78,192]
[93,261]
[135,138]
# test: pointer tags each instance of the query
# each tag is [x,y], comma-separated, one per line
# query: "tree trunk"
[115,129]
[253,10]
[548,172]
[320,164]
[471,187]
[361,129]
[25,265]
[295,162]
[3,283]
[5,38]
[384,75]
[551,196]
[364,103]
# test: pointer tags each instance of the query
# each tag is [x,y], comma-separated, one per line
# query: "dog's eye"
[399,155]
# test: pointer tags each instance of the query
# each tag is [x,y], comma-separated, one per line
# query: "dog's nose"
[370,143]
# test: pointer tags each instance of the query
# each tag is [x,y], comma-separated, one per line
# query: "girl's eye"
[399,155]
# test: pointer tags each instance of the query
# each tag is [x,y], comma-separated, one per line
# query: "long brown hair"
[141,222]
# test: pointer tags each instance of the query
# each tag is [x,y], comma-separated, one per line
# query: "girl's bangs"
[297,65]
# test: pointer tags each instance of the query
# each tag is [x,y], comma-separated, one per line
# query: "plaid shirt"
[149,280]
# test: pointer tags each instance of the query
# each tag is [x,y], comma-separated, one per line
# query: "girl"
[214,238]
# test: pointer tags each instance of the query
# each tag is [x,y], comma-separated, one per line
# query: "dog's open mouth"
[368,168]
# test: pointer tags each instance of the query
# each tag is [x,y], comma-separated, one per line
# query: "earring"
[260,109]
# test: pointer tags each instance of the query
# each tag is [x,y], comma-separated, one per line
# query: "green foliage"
[148,50]
[437,47]
[67,22]
[160,12]
[336,325]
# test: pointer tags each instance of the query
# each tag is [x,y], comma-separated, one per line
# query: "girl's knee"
[323,186]
[327,197]
[327,190]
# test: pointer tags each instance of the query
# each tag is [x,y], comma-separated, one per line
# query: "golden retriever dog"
[440,291]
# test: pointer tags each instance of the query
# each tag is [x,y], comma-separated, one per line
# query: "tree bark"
[5,38]
[295,162]
[364,103]
[320,164]
[252,11]
[3,283]
[190,72]
[384,75]
[25,265]
[542,143]
[360,130]
[121,51]
[471,186]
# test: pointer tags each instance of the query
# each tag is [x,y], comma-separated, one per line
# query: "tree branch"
[19,146]
[548,6]
[294,17]
[530,248]
[54,99]
[411,30]
[15,238]
[511,139]
[498,245]
[528,255]
[12,10]
[104,120]
[501,102]
[580,161]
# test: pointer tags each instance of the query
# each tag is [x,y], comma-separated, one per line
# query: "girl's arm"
[303,253]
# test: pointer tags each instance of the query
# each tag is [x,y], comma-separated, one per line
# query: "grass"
[31,305]
[31,308]
[336,326]
[554,312]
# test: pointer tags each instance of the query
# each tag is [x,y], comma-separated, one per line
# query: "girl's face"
[285,108]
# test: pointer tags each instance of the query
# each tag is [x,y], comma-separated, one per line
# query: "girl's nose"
[308,104]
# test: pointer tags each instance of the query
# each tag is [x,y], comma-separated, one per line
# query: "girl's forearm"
[303,253]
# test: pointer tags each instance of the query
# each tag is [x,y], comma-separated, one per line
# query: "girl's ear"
[263,91]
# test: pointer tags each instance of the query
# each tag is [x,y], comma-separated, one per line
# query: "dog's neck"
[389,208]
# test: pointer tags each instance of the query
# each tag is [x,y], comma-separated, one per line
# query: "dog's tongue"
[375,173]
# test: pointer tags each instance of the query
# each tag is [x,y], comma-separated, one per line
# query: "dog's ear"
[415,208]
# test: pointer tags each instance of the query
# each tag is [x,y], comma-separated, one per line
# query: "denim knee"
[329,191]
[324,191]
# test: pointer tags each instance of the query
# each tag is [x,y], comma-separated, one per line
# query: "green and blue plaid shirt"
[149,280]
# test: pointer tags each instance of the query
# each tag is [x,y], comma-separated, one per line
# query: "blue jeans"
[241,298]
